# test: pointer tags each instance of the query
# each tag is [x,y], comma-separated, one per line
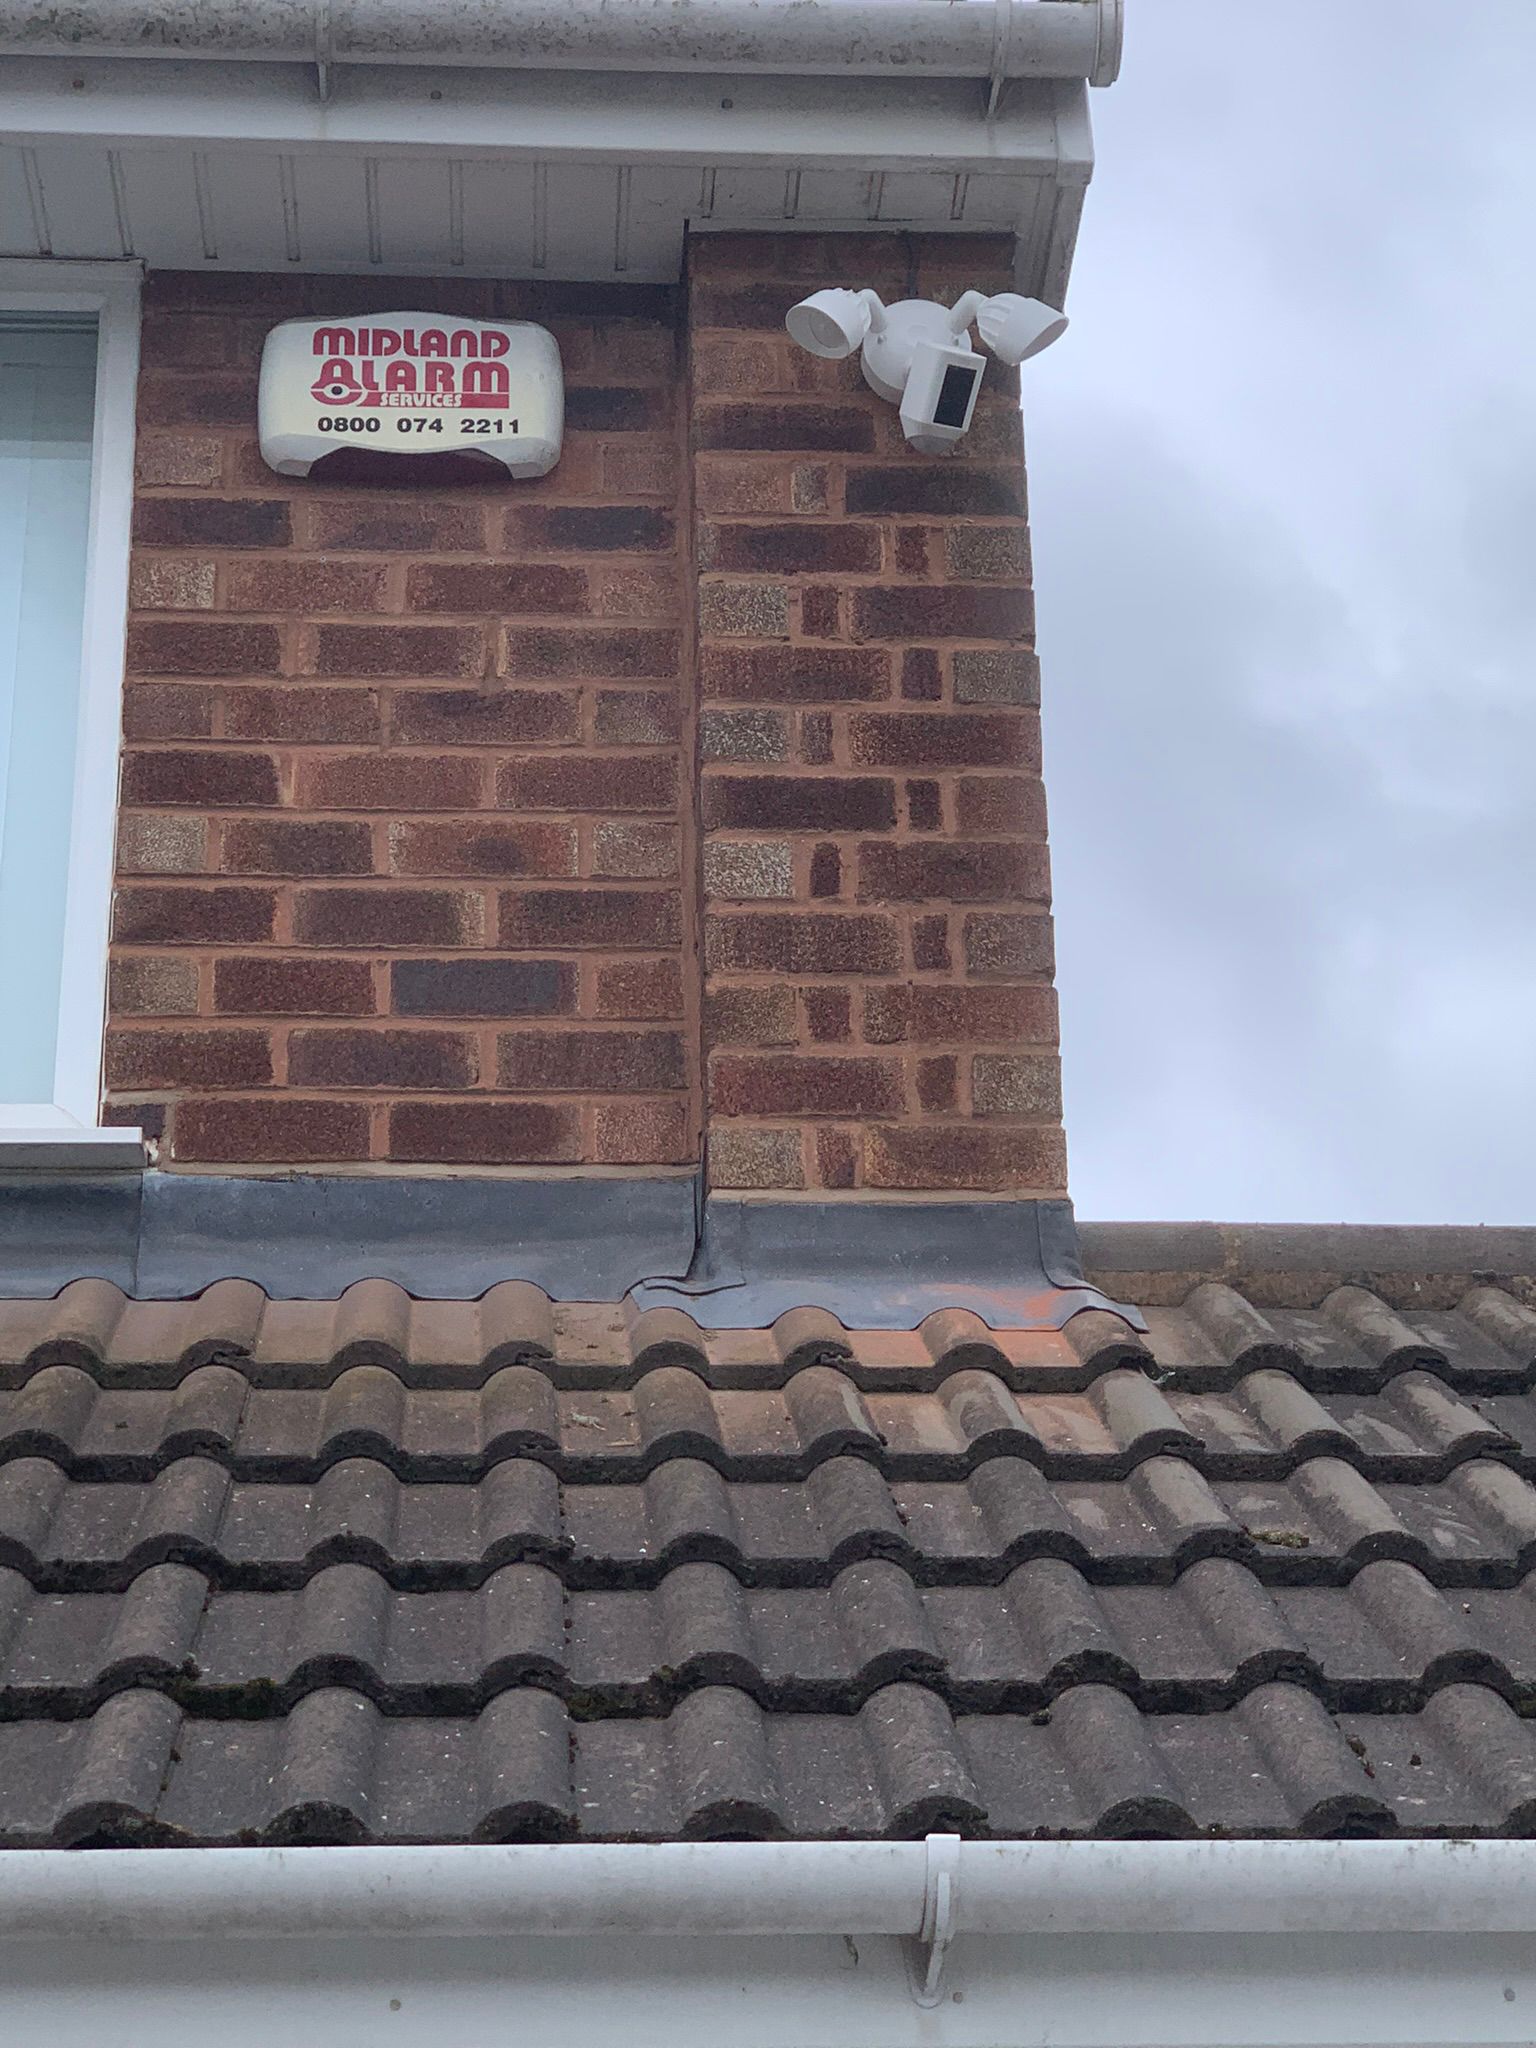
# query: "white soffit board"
[512,174]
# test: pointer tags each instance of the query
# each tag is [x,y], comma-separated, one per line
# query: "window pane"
[47,390]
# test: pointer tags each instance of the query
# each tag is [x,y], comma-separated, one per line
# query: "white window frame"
[65,1132]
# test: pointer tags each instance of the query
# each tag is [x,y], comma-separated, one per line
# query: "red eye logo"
[336,386]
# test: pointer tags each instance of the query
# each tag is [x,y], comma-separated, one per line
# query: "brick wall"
[878,1002]
[428,790]
[404,818]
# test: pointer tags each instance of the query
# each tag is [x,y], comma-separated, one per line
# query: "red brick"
[207,399]
[1001,803]
[496,716]
[826,871]
[821,611]
[169,915]
[791,1084]
[930,944]
[381,1059]
[943,490]
[485,1133]
[387,918]
[492,846]
[756,1156]
[806,803]
[730,363]
[912,551]
[1019,1085]
[168,711]
[399,650]
[836,1159]
[925,807]
[212,522]
[186,459]
[937,1084]
[153,985]
[261,985]
[828,1015]
[198,647]
[276,585]
[600,1062]
[615,409]
[794,675]
[749,426]
[988,1158]
[930,1014]
[1002,944]
[789,942]
[626,851]
[215,1058]
[206,777]
[922,679]
[603,783]
[583,529]
[636,718]
[281,1130]
[640,988]
[951,871]
[642,1134]
[482,988]
[640,469]
[624,919]
[760,303]
[306,713]
[815,738]
[397,524]
[750,1013]
[945,739]
[796,548]
[495,587]
[643,652]
[287,846]
[390,782]
[182,341]
[917,611]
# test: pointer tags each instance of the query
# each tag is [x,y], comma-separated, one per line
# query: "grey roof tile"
[379,1569]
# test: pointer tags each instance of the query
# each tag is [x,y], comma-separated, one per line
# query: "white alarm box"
[411,384]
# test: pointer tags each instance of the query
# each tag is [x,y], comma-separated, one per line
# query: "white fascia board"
[875,123]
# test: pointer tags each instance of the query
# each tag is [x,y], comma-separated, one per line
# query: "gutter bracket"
[927,1949]
[325,50]
[1002,37]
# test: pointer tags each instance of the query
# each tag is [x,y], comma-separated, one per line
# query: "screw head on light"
[1016,328]
[830,324]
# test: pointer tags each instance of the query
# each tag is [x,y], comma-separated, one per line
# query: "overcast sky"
[1283,477]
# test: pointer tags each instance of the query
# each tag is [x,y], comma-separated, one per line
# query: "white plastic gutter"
[1123,1889]
[984,39]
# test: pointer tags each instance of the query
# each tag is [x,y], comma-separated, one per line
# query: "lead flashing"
[729,1263]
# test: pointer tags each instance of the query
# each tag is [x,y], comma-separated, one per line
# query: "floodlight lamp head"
[1016,328]
[833,323]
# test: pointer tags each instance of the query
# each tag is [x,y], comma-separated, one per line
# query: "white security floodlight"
[1016,328]
[918,353]
[832,324]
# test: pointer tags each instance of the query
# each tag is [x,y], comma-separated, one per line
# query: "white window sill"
[43,1149]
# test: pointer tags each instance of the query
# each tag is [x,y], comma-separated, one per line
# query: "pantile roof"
[380,1569]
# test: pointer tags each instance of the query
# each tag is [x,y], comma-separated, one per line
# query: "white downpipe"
[721,1889]
[925,38]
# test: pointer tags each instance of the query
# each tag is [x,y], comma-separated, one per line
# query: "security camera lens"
[954,396]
